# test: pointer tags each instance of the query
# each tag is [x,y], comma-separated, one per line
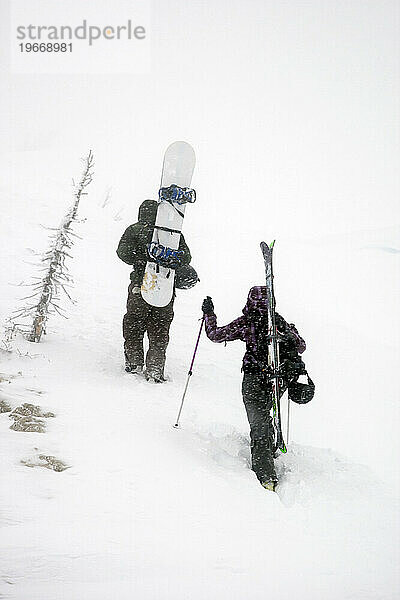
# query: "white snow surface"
[292,109]
[148,511]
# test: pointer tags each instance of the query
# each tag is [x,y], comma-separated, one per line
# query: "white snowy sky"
[291,106]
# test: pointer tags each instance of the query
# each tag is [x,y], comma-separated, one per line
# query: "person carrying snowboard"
[252,328]
[141,317]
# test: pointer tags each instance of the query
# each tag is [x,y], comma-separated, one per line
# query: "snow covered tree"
[56,277]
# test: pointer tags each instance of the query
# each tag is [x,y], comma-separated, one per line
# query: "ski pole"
[288,420]
[189,373]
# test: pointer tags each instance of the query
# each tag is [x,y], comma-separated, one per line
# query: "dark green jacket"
[132,248]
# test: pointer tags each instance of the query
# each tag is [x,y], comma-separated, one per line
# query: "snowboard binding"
[177,194]
[164,256]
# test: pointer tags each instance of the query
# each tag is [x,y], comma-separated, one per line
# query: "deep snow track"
[146,511]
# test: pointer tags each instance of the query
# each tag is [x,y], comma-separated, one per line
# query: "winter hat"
[257,301]
[148,212]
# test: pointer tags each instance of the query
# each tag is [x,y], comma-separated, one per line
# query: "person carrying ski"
[141,317]
[252,328]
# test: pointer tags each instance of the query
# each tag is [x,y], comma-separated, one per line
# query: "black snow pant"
[141,318]
[257,398]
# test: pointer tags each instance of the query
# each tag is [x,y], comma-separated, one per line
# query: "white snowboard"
[158,282]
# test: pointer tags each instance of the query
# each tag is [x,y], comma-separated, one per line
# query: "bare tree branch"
[55,272]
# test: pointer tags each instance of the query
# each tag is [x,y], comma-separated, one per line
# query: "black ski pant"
[257,398]
[141,318]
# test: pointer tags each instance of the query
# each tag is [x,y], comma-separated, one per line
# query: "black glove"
[280,324]
[207,307]
[291,369]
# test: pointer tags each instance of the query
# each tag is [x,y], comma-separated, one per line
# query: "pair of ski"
[273,349]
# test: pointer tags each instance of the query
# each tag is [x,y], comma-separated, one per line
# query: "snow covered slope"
[147,511]
[292,108]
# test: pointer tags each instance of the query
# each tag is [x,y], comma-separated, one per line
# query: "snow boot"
[270,485]
[134,369]
[155,376]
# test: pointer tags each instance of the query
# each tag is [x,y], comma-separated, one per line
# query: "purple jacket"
[244,328]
